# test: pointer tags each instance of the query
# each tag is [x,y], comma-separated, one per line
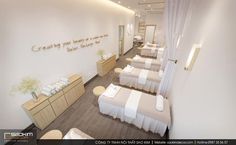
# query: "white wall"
[203,100]
[156,19]
[26,23]
[153,19]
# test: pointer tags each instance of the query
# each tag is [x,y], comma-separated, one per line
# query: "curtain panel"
[175,15]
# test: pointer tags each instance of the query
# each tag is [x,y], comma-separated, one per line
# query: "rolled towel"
[46,89]
[46,93]
[52,88]
[58,86]
[159,102]
[64,83]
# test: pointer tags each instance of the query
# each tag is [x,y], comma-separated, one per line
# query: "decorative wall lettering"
[72,45]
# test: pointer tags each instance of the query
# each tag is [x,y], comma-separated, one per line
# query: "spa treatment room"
[118,69]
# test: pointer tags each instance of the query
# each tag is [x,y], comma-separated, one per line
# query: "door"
[150,33]
[121,40]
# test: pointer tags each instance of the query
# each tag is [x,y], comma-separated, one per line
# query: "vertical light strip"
[192,57]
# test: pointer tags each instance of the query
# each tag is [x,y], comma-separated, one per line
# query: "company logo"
[17,135]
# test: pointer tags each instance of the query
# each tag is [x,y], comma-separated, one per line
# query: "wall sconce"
[192,57]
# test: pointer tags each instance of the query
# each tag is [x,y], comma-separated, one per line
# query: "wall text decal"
[72,45]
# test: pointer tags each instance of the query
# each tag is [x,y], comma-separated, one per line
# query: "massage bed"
[145,111]
[140,78]
[75,133]
[146,63]
[148,51]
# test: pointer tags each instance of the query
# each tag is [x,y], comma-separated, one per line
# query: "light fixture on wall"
[192,57]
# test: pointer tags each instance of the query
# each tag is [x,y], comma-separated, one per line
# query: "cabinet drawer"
[39,107]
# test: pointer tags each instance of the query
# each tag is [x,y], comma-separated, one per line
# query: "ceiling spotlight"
[119,2]
[149,6]
[128,6]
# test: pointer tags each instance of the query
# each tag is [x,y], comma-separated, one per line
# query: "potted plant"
[26,86]
[100,53]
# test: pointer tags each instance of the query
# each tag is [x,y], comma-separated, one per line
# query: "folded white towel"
[159,102]
[136,57]
[106,56]
[46,89]
[143,76]
[148,63]
[153,50]
[131,105]
[161,73]
[111,91]
[128,69]
[46,93]
[52,89]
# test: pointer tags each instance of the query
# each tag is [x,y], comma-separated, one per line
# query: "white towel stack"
[106,56]
[49,90]
[111,91]
[128,69]
[159,103]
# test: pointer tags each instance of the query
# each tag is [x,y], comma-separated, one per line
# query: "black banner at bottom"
[125,142]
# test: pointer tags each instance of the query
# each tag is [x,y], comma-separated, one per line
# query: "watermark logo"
[17,136]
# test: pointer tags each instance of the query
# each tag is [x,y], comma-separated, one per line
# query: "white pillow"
[72,135]
[159,103]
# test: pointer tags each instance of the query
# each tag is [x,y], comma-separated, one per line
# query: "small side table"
[129,59]
[118,70]
[53,134]
[97,91]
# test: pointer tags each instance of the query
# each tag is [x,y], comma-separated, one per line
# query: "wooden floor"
[84,114]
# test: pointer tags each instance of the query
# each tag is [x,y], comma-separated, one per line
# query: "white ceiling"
[143,7]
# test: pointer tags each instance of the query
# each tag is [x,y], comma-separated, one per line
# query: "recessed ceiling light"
[149,5]
[119,2]
[128,6]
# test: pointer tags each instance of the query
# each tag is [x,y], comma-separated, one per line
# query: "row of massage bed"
[145,111]
[150,50]
[142,73]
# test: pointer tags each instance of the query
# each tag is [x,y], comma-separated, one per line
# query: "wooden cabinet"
[104,66]
[46,109]
[40,112]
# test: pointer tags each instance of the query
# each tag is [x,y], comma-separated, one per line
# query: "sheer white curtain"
[175,16]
